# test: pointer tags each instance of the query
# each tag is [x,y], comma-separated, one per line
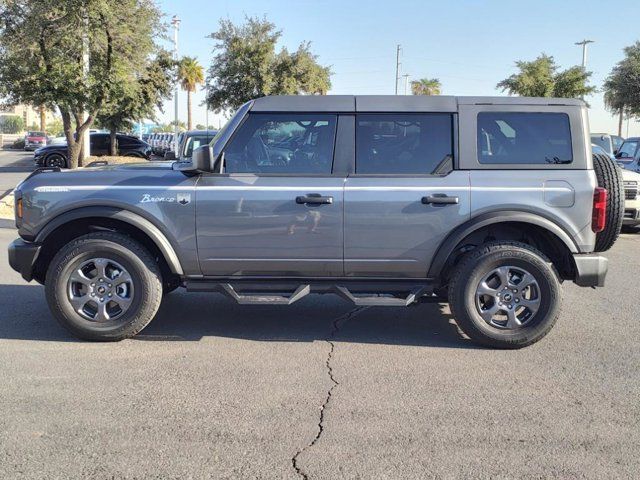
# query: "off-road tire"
[139,263]
[476,264]
[610,177]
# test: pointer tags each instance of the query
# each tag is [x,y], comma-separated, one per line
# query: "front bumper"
[23,256]
[591,269]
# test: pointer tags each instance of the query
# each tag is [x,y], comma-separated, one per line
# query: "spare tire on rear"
[610,177]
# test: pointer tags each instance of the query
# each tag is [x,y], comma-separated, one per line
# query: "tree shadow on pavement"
[190,317]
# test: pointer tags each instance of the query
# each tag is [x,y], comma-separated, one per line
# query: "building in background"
[30,115]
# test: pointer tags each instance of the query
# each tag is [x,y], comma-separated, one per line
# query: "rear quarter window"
[524,138]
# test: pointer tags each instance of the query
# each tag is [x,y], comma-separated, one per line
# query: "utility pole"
[584,44]
[406,82]
[206,105]
[398,64]
[175,22]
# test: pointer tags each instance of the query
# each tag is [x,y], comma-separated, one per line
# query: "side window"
[283,143]
[524,138]
[419,144]
[99,141]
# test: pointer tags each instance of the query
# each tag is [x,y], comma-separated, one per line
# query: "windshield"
[225,132]
[193,142]
[628,149]
[35,134]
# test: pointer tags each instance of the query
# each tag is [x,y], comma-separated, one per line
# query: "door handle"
[314,199]
[440,199]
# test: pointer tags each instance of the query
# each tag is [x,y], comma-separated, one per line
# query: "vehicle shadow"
[190,317]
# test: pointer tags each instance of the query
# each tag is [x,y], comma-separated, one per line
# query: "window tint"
[193,142]
[128,141]
[524,138]
[99,141]
[404,144]
[628,149]
[283,143]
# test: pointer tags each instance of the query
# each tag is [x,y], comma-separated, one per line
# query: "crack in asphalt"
[335,327]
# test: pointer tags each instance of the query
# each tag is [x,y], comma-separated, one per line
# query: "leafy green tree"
[426,86]
[138,96]
[190,75]
[55,128]
[246,66]
[11,124]
[199,126]
[622,86]
[542,78]
[42,48]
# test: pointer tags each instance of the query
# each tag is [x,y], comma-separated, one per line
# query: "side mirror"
[170,155]
[615,152]
[200,161]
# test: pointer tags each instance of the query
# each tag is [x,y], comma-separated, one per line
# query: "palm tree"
[190,75]
[426,86]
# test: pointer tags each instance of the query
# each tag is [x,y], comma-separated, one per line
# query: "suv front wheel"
[104,286]
[505,295]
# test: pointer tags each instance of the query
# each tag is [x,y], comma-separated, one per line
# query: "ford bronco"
[489,203]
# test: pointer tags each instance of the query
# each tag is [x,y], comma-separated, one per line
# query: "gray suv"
[487,203]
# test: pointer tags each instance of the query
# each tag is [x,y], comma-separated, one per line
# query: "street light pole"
[584,44]
[206,106]
[398,51]
[175,22]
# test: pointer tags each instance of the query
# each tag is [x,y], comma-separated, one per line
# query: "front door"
[277,209]
[405,196]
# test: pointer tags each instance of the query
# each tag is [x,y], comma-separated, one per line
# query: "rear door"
[277,209]
[405,196]
[99,144]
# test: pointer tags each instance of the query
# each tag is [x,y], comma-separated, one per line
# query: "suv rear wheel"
[505,295]
[104,286]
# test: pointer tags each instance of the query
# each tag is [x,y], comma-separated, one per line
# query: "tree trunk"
[113,148]
[620,122]
[188,110]
[73,148]
[43,118]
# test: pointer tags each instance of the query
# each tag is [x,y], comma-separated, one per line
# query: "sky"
[469,45]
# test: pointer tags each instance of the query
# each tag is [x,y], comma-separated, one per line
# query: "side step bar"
[255,297]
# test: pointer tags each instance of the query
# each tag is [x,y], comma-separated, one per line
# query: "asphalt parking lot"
[321,390]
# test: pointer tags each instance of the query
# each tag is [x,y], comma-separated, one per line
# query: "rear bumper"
[23,256]
[591,269]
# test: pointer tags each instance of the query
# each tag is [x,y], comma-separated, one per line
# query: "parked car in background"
[628,156]
[57,140]
[99,145]
[34,140]
[188,142]
[617,142]
[605,141]
[155,142]
[631,198]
